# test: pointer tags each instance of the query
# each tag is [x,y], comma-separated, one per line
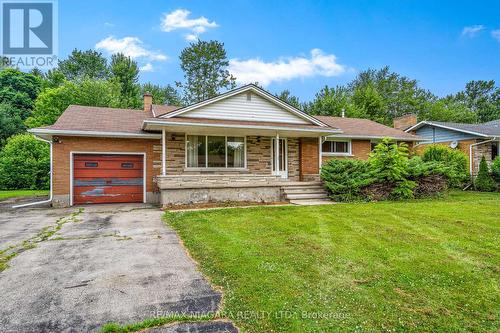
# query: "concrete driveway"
[99,264]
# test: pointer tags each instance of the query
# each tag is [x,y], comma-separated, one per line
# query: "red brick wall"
[309,156]
[360,150]
[61,157]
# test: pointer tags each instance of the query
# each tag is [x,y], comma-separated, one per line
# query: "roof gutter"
[50,182]
[357,136]
[281,128]
[470,152]
[38,131]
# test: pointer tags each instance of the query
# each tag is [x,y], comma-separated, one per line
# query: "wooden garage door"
[107,178]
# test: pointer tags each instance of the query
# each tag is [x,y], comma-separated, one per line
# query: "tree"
[287,97]
[205,71]
[19,89]
[24,163]
[448,109]
[53,79]
[484,182]
[398,95]
[10,122]
[126,72]
[81,65]
[167,95]
[52,102]
[331,102]
[482,98]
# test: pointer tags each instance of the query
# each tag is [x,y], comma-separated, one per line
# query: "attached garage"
[108,178]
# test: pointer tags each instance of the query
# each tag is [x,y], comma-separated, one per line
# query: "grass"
[21,193]
[423,265]
[149,323]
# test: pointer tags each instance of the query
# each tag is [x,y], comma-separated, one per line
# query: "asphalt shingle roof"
[364,127]
[491,128]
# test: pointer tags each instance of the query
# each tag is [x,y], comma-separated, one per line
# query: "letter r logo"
[27,28]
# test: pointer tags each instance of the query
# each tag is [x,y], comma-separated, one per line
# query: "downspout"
[50,182]
[470,153]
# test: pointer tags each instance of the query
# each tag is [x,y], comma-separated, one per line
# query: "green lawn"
[21,193]
[426,266]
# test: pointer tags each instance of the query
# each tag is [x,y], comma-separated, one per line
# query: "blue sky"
[297,45]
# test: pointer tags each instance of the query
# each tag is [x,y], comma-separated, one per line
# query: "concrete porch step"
[301,184]
[294,190]
[298,188]
[310,202]
[306,196]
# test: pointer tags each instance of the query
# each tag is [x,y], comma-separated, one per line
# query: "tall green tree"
[10,122]
[482,98]
[125,71]
[19,89]
[206,73]
[331,101]
[287,97]
[167,95]
[81,65]
[52,102]
[399,94]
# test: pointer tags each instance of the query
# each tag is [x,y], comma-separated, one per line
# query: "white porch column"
[320,152]
[163,153]
[277,153]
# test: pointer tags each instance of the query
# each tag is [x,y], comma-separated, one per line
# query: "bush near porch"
[390,174]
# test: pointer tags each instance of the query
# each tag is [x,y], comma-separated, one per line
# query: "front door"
[282,170]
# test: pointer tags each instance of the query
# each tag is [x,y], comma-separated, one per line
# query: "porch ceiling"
[218,127]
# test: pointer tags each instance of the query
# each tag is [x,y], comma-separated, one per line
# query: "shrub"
[344,179]
[495,170]
[389,163]
[456,161]
[24,163]
[484,182]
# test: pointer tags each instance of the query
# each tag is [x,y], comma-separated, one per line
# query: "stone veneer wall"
[478,152]
[258,156]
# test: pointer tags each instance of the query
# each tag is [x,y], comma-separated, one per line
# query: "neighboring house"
[475,140]
[243,145]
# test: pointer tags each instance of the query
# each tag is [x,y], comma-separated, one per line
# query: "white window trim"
[349,147]
[72,153]
[226,168]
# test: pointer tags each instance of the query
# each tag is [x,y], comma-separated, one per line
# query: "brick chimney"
[148,101]
[405,122]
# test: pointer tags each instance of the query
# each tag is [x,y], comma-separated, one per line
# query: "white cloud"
[147,68]
[178,19]
[496,34]
[109,24]
[129,46]
[472,31]
[284,69]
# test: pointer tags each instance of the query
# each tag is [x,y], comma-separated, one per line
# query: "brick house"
[243,145]
[475,140]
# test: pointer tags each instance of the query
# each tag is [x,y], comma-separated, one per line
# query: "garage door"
[107,178]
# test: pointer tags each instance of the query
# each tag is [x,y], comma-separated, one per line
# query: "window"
[91,164]
[215,151]
[128,165]
[495,150]
[373,144]
[336,147]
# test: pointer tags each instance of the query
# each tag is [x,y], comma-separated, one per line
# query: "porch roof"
[217,126]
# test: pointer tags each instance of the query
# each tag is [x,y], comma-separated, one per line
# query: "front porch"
[205,188]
